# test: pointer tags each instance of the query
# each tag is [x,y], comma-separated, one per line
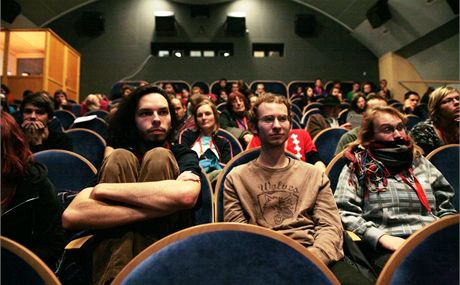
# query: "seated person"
[330,109]
[352,135]
[147,184]
[37,112]
[442,126]
[357,107]
[299,143]
[234,117]
[31,214]
[92,102]
[287,195]
[60,101]
[411,100]
[388,190]
[213,151]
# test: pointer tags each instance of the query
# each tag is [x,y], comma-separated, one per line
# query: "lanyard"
[242,123]
[418,189]
[201,145]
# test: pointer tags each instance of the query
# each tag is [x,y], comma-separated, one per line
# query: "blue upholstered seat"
[67,170]
[226,253]
[326,142]
[203,85]
[334,168]
[235,144]
[22,266]
[273,86]
[88,144]
[412,120]
[95,124]
[429,256]
[65,117]
[307,114]
[446,159]
[99,113]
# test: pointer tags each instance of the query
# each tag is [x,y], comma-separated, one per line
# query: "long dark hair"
[123,132]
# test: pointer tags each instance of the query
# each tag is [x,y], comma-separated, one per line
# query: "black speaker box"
[378,14]
[91,24]
[305,25]
[10,10]
[236,26]
[165,24]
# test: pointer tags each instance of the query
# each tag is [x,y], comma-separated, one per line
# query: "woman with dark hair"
[214,151]
[31,214]
[388,190]
[442,126]
[60,100]
[234,117]
[358,105]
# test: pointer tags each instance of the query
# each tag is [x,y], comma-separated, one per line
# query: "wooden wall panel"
[18,84]
[72,76]
[56,60]
[53,86]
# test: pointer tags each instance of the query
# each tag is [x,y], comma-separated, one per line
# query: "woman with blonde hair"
[388,190]
[442,126]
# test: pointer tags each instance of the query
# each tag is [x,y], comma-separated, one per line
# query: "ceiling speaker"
[305,25]
[10,10]
[378,14]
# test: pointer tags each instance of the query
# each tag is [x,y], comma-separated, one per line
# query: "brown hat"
[330,101]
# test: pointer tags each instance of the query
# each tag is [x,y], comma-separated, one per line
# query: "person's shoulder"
[242,170]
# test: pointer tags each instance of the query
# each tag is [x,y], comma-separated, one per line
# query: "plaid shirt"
[397,211]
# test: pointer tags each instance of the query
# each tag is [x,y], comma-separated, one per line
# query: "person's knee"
[119,157]
[160,160]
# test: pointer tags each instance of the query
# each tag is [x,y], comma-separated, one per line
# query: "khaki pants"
[116,247]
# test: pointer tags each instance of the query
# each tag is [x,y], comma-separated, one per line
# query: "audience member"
[37,112]
[442,126]
[318,90]
[252,100]
[147,184]
[330,109]
[260,90]
[213,151]
[384,91]
[388,190]
[352,135]
[335,91]
[357,107]
[92,102]
[223,97]
[60,100]
[234,117]
[355,90]
[367,88]
[411,100]
[31,213]
[181,112]
[287,195]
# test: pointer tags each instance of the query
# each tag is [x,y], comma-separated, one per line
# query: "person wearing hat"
[330,109]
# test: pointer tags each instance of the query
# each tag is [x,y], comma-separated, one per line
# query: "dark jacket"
[33,217]
[55,140]
[227,121]
[189,137]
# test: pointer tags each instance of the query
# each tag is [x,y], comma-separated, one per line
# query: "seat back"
[234,143]
[92,123]
[67,170]
[221,107]
[88,144]
[412,120]
[334,168]
[429,256]
[326,142]
[343,116]
[226,253]
[273,86]
[99,113]
[292,86]
[65,117]
[307,114]
[203,85]
[22,266]
[203,211]
[446,160]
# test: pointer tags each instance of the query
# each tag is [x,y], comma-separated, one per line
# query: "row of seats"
[230,253]
[274,86]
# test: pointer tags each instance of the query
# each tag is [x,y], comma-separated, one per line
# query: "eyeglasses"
[271,119]
[389,129]
[450,100]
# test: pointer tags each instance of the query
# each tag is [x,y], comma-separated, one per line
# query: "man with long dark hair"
[146,186]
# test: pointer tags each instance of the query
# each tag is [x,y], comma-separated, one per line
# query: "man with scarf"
[388,190]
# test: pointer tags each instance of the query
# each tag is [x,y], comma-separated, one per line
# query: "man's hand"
[188,176]
[35,131]
[390,242]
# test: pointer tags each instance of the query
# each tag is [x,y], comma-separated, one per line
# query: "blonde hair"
[435,100]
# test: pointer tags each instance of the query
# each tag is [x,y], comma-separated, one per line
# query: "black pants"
[348,274]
